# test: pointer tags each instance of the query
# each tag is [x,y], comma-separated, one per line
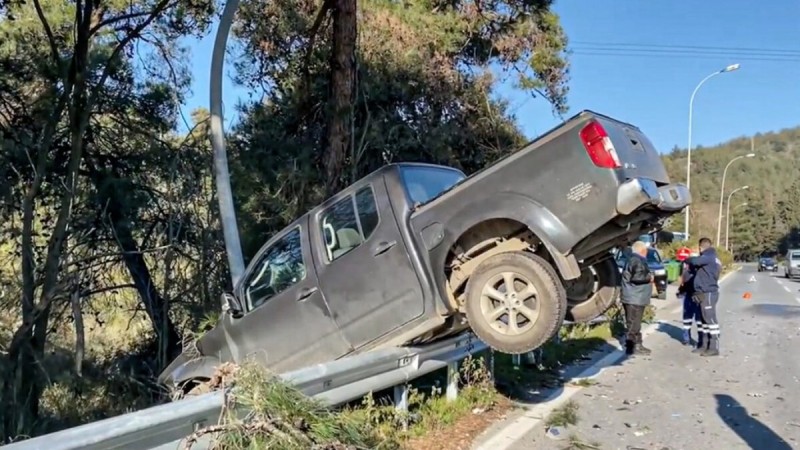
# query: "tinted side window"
[278,269]
[425,183]
[367,211]
[348,223]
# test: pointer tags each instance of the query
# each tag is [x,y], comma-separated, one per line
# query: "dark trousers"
[708,306]
[633,322]
[692,313]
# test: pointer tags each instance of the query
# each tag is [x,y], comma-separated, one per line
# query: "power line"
[791,52]
[684,55]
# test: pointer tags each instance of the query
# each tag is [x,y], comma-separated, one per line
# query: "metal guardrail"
[164,427]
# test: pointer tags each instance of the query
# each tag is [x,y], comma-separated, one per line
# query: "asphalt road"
[749,397]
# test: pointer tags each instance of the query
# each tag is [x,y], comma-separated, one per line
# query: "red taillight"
[598,146]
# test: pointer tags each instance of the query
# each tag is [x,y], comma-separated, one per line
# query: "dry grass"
[280,417]
[563,416]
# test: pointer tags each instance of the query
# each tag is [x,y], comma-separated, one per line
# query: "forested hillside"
[771,219]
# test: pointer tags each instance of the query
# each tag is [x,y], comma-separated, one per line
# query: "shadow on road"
[671,330]
[775,310]
[535,382]
[754,433]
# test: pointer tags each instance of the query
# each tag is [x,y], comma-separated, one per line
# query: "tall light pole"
[728,210]
[227,211]
[722,194]
[728,221]
[729,68]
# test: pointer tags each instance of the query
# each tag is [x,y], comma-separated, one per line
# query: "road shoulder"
[529,414]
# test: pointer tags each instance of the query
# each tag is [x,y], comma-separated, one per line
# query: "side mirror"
[231,305]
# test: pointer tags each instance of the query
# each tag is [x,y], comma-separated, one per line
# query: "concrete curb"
[517,428]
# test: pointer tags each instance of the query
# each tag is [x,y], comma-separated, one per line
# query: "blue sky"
[667,48]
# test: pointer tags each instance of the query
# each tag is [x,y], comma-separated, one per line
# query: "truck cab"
[327,285]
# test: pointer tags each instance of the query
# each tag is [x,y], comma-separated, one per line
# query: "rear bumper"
[639,192]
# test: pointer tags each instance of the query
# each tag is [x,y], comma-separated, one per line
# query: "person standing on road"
[691,310]
[636,293]
[707,268]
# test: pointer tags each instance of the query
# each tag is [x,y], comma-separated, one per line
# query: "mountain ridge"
[770,220]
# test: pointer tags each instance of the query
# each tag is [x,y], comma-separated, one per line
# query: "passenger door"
[364,267]
[287,324]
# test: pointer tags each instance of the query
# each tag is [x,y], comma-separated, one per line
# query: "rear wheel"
[596,290]
[515,302]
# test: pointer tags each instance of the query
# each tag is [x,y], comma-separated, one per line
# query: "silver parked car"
[792,263]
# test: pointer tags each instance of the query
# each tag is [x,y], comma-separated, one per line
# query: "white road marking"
[517,429]
[780,282]
[787,289]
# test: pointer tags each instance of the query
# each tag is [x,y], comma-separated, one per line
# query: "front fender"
[555,235]
[185,368]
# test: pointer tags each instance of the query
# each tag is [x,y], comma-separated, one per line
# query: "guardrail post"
[491,363]
[452,380]
[401,397]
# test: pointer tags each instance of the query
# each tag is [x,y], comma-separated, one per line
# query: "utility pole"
[227,212]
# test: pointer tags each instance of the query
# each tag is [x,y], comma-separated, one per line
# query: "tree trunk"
[20,388]
[155,305]
[342,93]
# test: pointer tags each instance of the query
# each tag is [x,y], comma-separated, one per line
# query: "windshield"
[767,261]
[424,183]
[795,256]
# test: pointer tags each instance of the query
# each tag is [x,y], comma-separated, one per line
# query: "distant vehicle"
[792,263]
[767,265]
[679,237]
[415,252]
[656,265]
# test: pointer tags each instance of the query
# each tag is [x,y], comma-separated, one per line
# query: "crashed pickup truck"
[415,252]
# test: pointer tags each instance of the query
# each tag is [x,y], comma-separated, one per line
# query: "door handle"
[305,293]
[384,247]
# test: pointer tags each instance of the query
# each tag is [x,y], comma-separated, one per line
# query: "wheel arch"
[183,373]
[508,214]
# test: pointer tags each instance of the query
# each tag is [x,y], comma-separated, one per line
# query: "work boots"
[640,349]
[713,348]
[636,348]
[701,344]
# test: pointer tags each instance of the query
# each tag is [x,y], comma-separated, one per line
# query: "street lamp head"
[731,68]
[750,155]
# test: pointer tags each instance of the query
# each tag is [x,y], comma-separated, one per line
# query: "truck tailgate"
[637,155]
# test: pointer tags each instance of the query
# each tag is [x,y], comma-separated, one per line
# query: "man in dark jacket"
[636,293]
[691,310]
[707,268]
